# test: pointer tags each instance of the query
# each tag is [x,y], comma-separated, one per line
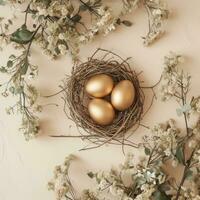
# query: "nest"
[75,98]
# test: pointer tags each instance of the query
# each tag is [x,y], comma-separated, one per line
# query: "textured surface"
[25,167]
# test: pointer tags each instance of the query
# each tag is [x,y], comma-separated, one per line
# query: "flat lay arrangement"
[103,104]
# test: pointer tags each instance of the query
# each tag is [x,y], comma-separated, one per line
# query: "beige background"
[25,167]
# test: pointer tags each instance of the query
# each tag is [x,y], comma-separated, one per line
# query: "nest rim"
[119,69]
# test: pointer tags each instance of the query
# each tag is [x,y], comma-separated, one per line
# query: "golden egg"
[99,85]
[101,111]
[123,95]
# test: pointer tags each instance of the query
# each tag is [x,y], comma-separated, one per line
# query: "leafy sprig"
[19,69]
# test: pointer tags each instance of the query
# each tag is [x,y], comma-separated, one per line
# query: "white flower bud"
[174,163]
[192,144]
[61,36]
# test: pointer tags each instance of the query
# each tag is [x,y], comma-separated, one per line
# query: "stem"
[29,45]
[186,168]
[90,8]
[150,156]
[187,163]
[183,98]
[26,11]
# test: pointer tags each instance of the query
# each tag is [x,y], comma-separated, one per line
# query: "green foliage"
[180,154]
[158,195]
[147,151]
[22,35]
[127,23]
[2,2]
[91,174]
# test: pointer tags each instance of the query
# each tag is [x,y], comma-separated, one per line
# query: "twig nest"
[120,107]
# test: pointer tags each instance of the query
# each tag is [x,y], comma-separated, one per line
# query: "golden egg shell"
[101,111]
[123,95]
[99,85]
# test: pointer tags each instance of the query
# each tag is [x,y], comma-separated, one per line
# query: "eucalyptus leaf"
[83,7]
[158,195]
[22,35]
[90,174]
[180,154]
[46,2]
[12,89]
[76,18]
[147,151]
[19,90]
[2,2]
[24,68]
[189,174]
[9,63]
[127,23]
[3,70]
[12,56]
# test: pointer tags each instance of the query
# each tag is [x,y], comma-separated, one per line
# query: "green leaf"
[2,2]
[164,187]
[10,22]
[12,56]
[189,174]
[147,151]
[12,89]
[3,70]
[90,174]
[9,63]
[19,90]
[118,21]
[24,68]
[46,2]
[22,35]
[83,7]
[127,23]
[180,154]
[158,195]
[76,18]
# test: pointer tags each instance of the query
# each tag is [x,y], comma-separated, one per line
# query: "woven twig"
[76,98]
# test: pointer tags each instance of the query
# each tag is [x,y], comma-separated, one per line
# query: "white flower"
[157,12]
[103,184]
[42,11]
[82,38]
[62,48]
[50,39]
[192,144]
[174,163]
[167,152]
[61,36]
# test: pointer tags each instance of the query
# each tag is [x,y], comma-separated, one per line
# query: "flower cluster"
[195,105]
[163,142]
[20,86]
[175,82]
[166,146]
[5,23]
[112,184]
[147,179]
[61,184]
[157,13]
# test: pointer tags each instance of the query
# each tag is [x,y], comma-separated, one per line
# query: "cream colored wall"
[25,167]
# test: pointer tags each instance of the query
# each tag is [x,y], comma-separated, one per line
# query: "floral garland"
[167,146]
[59,27]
